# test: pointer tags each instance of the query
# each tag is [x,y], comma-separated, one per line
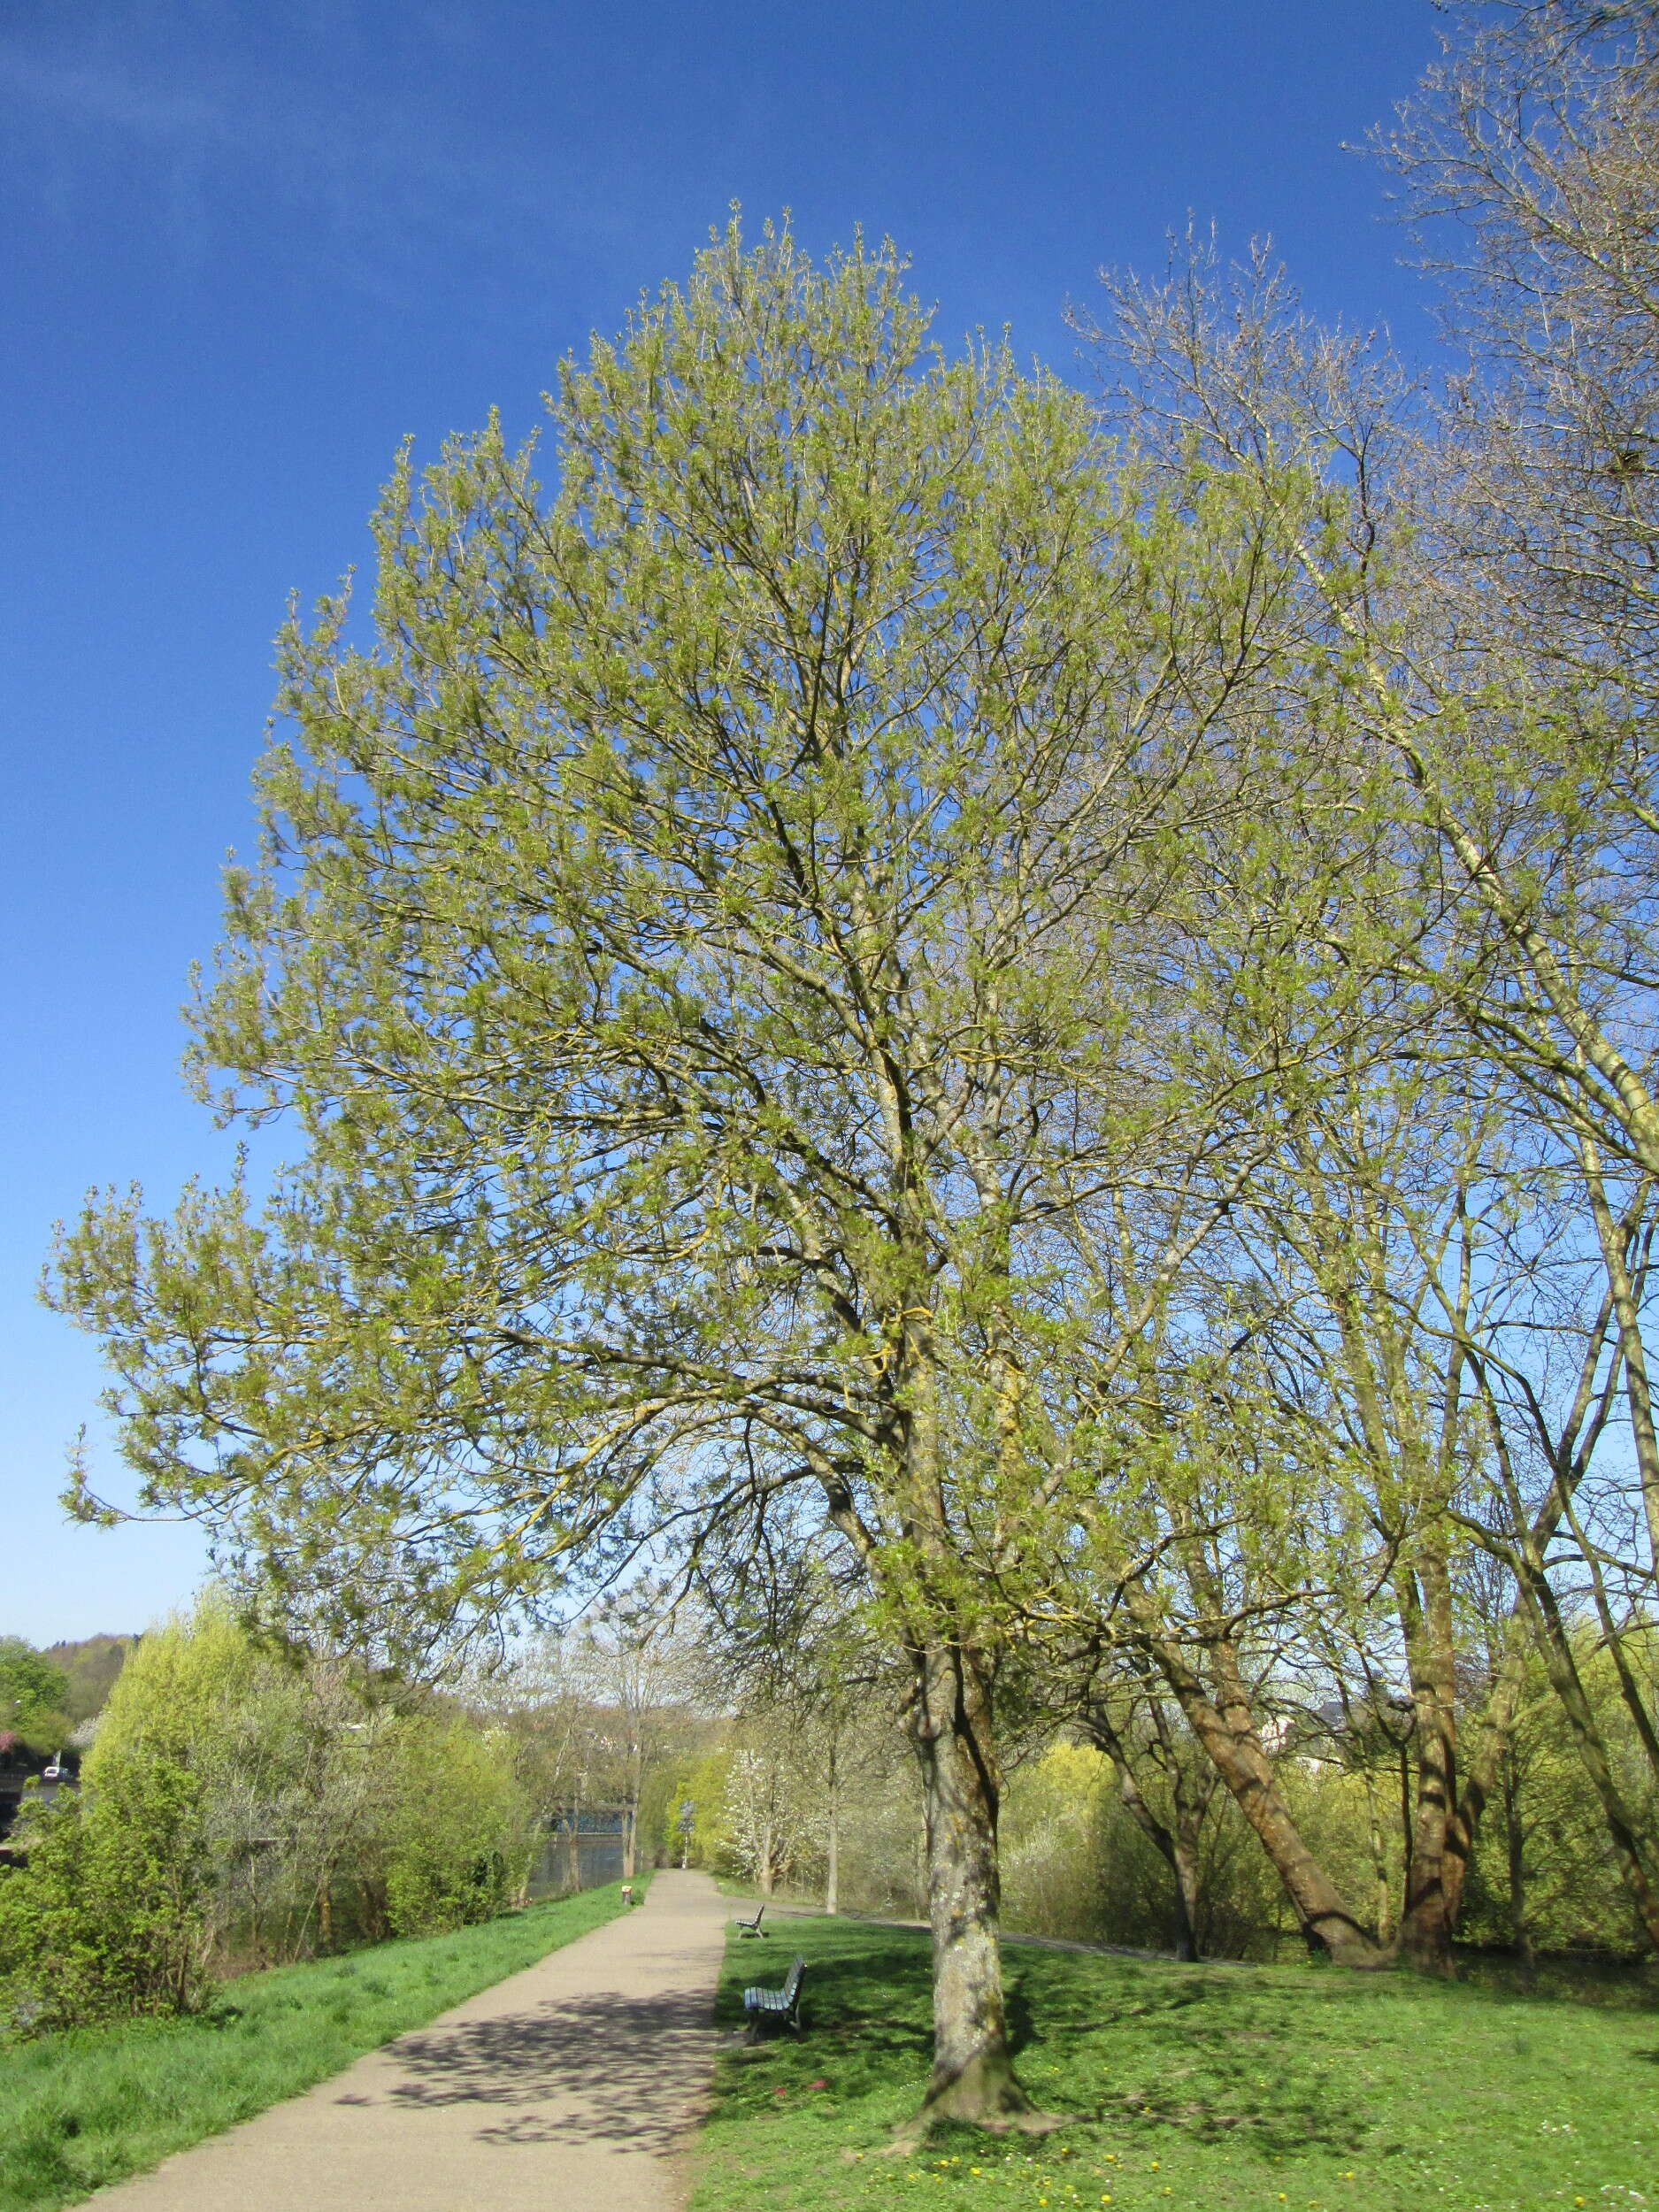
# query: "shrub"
[108,1916]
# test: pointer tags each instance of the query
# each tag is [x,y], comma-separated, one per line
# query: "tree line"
[1040,996]
[1141,1845]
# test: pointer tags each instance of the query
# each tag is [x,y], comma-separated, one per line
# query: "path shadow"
[602,2069]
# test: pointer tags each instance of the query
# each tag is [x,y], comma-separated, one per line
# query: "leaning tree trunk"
[1229,1736]
[1178,1850]
[1631,1844]
[950,1726]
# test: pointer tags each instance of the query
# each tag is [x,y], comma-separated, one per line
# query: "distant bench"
[753,1927]
[762,2005]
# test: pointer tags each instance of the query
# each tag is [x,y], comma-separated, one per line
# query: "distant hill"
[90,1667]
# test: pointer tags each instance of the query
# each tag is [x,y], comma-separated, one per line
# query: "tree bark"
[972,2077]
[1229,1736]
[1426,1612]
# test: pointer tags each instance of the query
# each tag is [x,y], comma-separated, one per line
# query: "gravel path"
[570,2087]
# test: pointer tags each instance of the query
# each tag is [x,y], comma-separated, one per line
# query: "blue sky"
[248,249]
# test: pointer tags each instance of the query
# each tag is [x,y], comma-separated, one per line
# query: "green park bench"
[762,2005]
[752,1927]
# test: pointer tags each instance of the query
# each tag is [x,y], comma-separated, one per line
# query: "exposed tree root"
[986,2095]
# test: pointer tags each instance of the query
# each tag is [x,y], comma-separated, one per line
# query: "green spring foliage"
[242,1807]
[34,1693]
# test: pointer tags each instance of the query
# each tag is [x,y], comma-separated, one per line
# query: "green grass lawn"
[89,2107]
[1196,2089]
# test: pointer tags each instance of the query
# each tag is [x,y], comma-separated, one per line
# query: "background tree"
[793,1647]
[34,1693]
[91,1664]
[1167,1785]
[241,1805]
[635,1666]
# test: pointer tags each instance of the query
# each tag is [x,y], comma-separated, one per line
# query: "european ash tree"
[705,944]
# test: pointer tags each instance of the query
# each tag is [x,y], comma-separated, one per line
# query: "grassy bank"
[1191,2088]
[82,2109]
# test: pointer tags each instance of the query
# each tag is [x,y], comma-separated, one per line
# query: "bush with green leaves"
[244,1806]
[109,1915]
[459,1835]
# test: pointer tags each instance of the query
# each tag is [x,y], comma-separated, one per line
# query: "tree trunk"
[1613,1633]
[631,1818]
[1184,1865]
[1177,1852]
[1489,1736]
[1230,1739]
[1627,1309]
[951,1727]
[831,1852]
[1629,1844]
[972,2077]
[1378,1855]
[1426,1612]
[1520,1926]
